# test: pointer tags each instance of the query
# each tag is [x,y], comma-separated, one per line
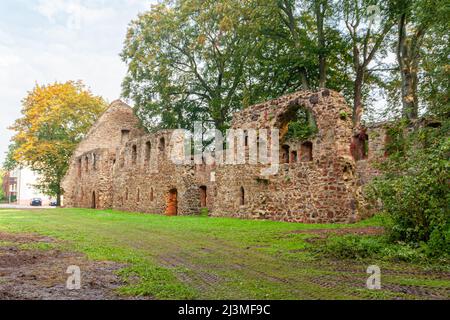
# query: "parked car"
[53,204]
[36,202]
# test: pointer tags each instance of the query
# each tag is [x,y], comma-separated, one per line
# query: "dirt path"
[30,274]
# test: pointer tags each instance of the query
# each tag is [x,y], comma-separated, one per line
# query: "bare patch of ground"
[29,274]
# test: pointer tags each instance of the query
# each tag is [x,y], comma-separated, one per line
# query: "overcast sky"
[42,41]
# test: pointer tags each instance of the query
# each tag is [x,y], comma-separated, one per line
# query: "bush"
[414,188]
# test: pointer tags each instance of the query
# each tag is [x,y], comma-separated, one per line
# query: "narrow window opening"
[94,161]
[148,150]
[306,151]
[285,154]
[360,147]
[134,154]
[79,167]
[162,144]
[294,157]
[203,196]
[152,195]
[242,196]
[125,135]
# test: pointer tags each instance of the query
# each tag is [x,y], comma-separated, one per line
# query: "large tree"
[188,60]
[302,48]
[55,118]
[415,19]
[368,23]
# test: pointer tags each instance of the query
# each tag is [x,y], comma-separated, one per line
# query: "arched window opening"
[79,167]
[138,197]
[94,161]
[152,196]
[94,201]
[162,144]
[360,146]
[125,135]
[126,194]
[86,163]
[242,196]
[148,151]
[285,154]
[203,196]
[306,151]
[134,154]
[294,157]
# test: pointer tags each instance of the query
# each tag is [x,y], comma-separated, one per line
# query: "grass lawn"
[219,258]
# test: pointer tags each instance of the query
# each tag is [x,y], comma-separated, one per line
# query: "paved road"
[13,206]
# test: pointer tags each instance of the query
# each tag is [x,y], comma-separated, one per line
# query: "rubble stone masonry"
[118,165]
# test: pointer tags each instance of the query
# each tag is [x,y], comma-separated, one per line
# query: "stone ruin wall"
[143,184]
[321,189]
[134,172]
[101,141]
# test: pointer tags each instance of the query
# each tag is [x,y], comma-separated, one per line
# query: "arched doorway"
[94,201]
[172,203]
[203,197]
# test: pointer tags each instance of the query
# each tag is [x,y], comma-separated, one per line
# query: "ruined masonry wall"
[133,172]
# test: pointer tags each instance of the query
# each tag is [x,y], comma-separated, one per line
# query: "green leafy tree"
[54,120]
[188,60]
[368,24]
[10,163]
[2,194]
[415,21]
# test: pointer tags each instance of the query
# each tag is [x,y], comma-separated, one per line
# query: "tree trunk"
[408,63]
[58,199]
[409,93]
[320,15]
[357,98]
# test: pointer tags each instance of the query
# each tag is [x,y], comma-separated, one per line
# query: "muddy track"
[29,274]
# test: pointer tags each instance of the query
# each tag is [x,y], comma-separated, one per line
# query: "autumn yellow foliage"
[54,119]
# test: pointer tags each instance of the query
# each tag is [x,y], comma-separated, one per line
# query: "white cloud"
[48,48]
[74,13]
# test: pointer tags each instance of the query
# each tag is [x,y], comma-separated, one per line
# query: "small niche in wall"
[285,154]
[94,161]
[242,196]
[162,144]
[79,167]
[152,196]
[306,151]
[125,135]
[294,157]
[148,151]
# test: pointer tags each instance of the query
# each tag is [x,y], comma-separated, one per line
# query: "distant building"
[9,187]
[19,187]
